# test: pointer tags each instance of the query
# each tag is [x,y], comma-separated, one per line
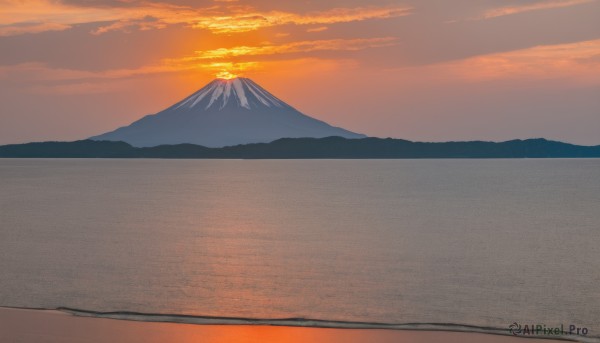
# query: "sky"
[423,70]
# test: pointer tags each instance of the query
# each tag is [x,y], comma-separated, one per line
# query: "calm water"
[480,242]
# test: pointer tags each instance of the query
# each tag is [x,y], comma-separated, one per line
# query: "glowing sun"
[226,75]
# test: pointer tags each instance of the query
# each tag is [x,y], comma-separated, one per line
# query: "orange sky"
[415,69]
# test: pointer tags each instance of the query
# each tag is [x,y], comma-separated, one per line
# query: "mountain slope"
[224,113]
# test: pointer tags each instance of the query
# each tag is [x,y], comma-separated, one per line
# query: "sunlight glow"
[225,75]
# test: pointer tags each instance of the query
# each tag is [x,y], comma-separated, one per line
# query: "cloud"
[244,22]
[40,78]
[101,3]
[209,62]
[31,27]
[542,62]
[126,15]
[142,24]
[50,14]
[578,63]
[294,47]
[543,5]
[39,72]
[219,61]
[318,29]
[571,61]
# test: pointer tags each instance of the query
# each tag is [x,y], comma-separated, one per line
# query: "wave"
[300,322]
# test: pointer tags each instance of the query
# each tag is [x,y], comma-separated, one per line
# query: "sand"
[47,326]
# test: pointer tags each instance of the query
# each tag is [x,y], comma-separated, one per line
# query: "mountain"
[289,148]
[224,113]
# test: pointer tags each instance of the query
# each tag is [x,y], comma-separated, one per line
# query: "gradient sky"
[426,70]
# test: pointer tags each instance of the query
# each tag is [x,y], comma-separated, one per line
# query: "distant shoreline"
[309,148]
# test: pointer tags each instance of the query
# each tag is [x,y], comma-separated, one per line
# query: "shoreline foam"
[181,319]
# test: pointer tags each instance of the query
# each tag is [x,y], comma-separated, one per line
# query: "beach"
[51,326]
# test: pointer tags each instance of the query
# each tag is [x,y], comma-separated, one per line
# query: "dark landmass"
[308,148]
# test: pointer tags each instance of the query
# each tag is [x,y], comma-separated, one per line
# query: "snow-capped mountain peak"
[222,113]
[221,93]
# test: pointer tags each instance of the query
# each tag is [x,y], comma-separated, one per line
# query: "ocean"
[483,243]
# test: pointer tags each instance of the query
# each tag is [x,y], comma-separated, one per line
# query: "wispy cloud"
[254,57]
[295,47]
[41,78]
[35,71]
[221,19]
[207,62]
[317,29]
[31,27]
[542,5]
[574,60]
[577,62]
[244,22]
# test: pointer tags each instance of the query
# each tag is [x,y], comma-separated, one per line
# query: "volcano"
[224,113]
